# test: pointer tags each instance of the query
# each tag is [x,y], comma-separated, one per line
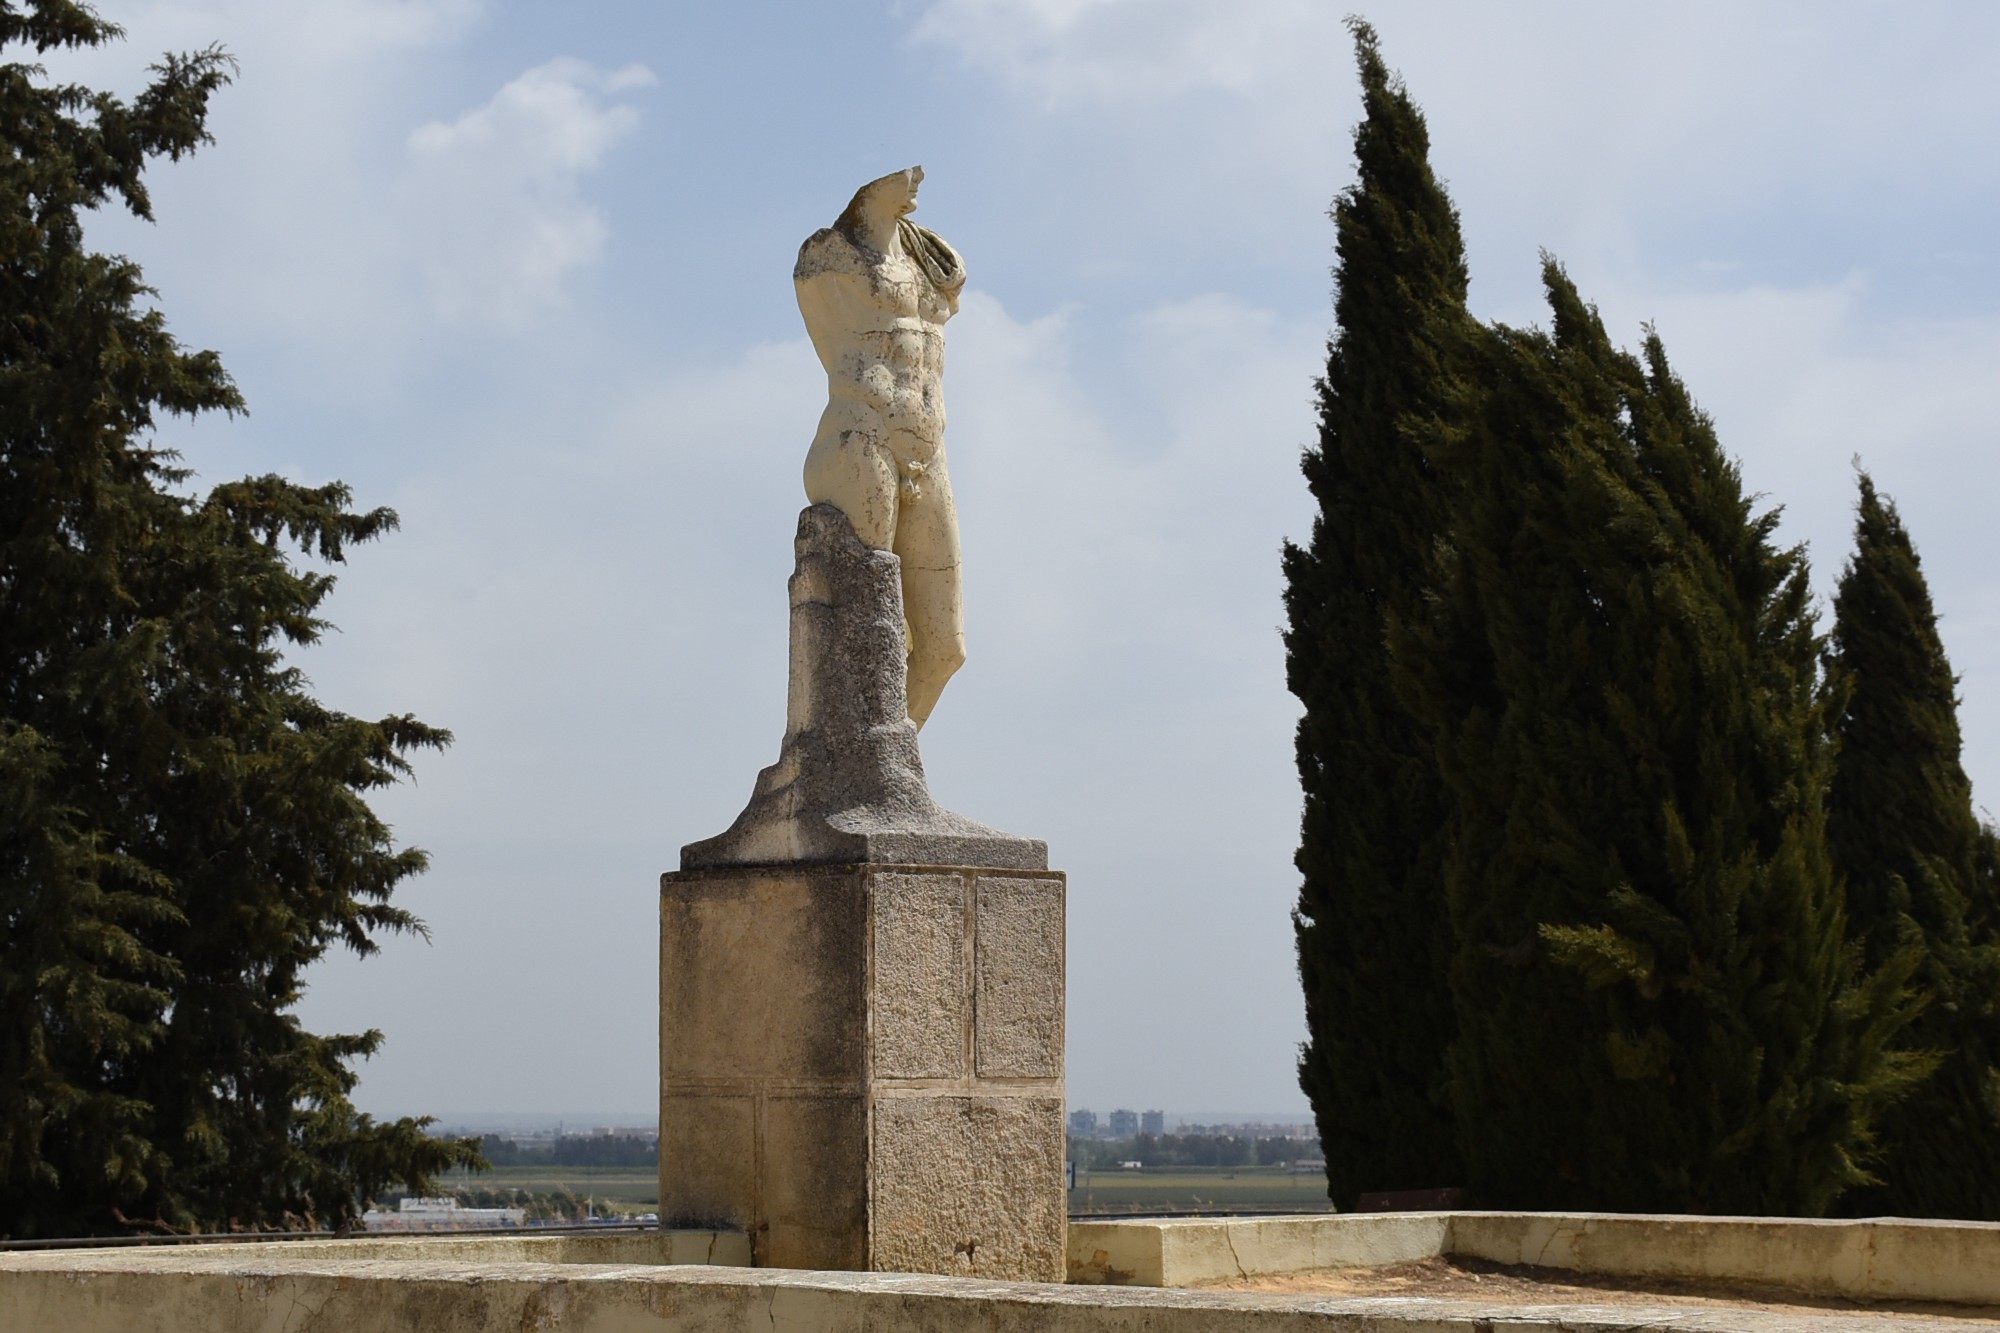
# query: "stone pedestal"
[848,787]
[861,992]
[861,1065]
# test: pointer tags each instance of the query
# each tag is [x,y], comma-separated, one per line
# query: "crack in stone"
[1555,1233]
[1235,1257]
[312,1312]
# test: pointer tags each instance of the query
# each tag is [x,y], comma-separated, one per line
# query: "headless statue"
[875,290]
[876,623]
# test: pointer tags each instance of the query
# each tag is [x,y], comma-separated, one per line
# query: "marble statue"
[875,290]
[876,624]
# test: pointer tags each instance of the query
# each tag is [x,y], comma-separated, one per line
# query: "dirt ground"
[1471,1279]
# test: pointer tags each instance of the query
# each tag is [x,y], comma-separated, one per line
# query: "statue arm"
[934,255]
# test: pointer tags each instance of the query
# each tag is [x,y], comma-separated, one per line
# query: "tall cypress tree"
[183,827]
[1903,832]
[1371,927]
[1656,1005]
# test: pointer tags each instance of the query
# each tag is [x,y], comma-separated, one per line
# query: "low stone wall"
[631,1283]
[1888,1258]
[1872,1259]
[275,1289]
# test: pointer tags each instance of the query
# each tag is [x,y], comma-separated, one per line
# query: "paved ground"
[1505,1286]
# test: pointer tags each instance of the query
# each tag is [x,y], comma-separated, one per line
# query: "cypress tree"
[1656,1005]
[1370,923]
[182,826]
[1903,832]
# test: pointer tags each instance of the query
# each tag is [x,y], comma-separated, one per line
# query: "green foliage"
[1370,923]
[1570,927]
[1658,1008]
[1919,870]
[182,827]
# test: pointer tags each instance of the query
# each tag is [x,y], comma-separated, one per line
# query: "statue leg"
[849,467]
[927,544]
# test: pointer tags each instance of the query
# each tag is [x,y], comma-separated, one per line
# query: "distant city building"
[1255,1129]
[1124,1124]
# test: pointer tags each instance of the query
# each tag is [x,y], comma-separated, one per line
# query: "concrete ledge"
[275,1289]
[1883,1258]
[1871,1259]
[1188,1252]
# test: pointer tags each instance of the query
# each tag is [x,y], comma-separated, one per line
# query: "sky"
[521,271]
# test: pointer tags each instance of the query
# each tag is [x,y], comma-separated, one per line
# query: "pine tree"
[1903,833]
[1656,1005]
[182,827]
[1370,923]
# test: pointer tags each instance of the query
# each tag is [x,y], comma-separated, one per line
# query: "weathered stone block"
[1019,1031]
[708,1145]
[750,967]
[968,1184]
[921,1010]
[813,1185]
[819,1087]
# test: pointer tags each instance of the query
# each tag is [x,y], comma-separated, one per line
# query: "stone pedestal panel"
[861,1066]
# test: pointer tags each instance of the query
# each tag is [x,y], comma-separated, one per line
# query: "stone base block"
[861,1066]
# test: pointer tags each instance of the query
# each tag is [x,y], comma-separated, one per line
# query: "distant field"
[625,1185]
[1196,1189]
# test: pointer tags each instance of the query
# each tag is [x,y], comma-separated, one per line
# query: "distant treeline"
[574,1150]
[1190,1150]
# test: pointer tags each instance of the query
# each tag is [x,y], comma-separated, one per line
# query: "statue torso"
[877,323]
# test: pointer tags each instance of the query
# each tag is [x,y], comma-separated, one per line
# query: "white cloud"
[1656,136]
[497,192]
[334,31]
[338,215]
[1066,51]
[302,33]
[280,224]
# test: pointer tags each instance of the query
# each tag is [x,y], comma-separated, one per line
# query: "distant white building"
[1152,1122]
[1083,1124]
[437,1213]
[1124,1124]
